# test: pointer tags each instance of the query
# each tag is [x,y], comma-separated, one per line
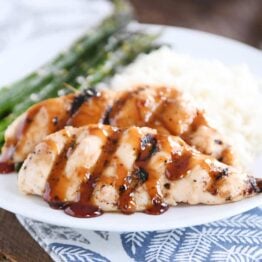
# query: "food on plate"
[97,168]
[50,116]
[230,95]
[93,58]
[169,129]
[162,108]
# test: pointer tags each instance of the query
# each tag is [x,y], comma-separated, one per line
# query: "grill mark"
[127,181]
[139,175]
[84,206]
[57,182]
[217,175]
[155,121]
[81,98]
[92,111]
[181,161]
[6,165]
[117,106]
[14,144]
[158,205]
[258,187]
[179,165]
[226,155]
[126,202]
[148,146]
[106,120]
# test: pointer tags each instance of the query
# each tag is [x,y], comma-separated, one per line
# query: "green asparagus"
[15,93]
[113,60]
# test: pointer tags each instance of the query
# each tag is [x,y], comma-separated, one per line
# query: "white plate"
[21,60]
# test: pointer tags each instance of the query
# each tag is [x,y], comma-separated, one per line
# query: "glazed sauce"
[6,165]
[91,111]
[179,165]
[6,159]
[84,207]
[259,184]
[58,183]
[126,203]
[118,106]
[132,108]
[158,206]
[127,181]
[179,161]
[6,168]
[141,174]
[226,156]
[199,120]
[58,115]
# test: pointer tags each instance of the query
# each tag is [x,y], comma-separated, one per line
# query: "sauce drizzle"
[6,168]
[178,160]
[179,165]
[162,109]
[57,184]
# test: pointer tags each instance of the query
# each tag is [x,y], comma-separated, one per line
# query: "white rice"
[230,95]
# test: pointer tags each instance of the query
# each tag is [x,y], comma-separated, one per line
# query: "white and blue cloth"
[235,239]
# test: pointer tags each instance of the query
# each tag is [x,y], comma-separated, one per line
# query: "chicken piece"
[50,116]
[162,108]
[97,168]
[170,112]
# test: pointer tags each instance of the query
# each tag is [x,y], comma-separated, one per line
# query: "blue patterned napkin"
[235,239]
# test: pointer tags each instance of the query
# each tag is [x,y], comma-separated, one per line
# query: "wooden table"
[236,19]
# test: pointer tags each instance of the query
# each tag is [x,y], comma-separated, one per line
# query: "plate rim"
[161,226]
[118,227]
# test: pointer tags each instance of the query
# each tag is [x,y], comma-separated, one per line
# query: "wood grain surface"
[236,19]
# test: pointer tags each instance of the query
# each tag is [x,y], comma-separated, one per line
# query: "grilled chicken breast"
[162,108]
[97,168]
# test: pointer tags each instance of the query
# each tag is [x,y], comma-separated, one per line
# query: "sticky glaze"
[6,168]
[166,110]
[156,162]
[162,108]
[127,182]
[58,182]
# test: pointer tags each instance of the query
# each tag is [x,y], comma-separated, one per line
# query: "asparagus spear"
[51,90]
[13,94]
[70,77]
[139,43]
[136,44]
